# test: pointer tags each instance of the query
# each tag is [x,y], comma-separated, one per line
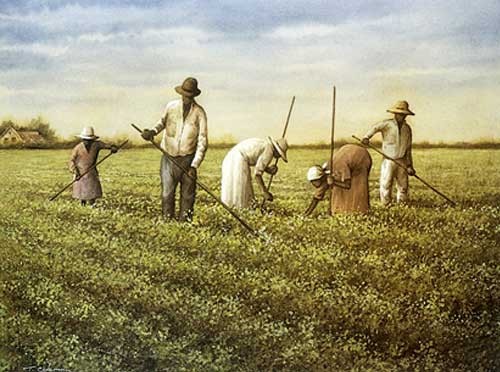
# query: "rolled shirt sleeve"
[160,125]
[375,129]
[202,143]
[264,159]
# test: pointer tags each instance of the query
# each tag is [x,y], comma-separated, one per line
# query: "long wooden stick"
[204,187]
[84,173]
[277,159]
[405,169]
[332,139]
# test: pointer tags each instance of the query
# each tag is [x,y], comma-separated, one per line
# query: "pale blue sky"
[109,63]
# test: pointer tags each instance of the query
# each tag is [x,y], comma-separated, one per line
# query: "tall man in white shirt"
[184,139]
[396,143]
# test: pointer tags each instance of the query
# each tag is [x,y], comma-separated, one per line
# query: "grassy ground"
[116,288]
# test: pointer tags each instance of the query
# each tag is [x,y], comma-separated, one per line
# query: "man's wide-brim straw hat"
[281,145]
[189,88]
[401,107]
[88,134]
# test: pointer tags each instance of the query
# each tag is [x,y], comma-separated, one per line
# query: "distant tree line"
[52,140]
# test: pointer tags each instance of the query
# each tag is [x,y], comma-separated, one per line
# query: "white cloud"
[454,73]
[44,49]
[75,18]
[302,31]
[151,35]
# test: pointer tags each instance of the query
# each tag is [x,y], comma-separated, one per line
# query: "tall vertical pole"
[332,139]
[332,142]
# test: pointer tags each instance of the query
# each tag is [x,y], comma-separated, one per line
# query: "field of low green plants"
[117,288]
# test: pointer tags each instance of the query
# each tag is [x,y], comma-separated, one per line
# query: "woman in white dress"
[237,189]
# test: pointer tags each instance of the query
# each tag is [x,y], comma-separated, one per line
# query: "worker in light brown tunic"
[87,188]
[348,181]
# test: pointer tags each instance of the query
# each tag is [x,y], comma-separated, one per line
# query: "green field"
[116,288]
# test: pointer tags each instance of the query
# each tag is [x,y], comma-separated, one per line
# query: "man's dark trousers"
[171,175]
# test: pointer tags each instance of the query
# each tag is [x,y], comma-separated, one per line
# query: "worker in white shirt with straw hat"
[396,143]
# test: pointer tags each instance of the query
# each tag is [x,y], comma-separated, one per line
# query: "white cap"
[315,173]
